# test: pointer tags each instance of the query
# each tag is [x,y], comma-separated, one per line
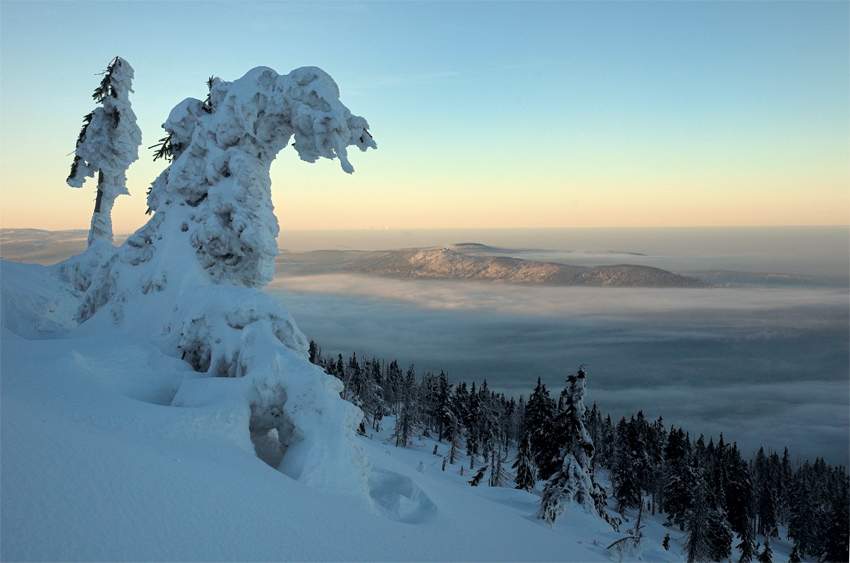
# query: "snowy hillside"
[99,464]
[457,264]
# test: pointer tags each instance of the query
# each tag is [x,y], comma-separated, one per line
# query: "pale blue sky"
[487,114]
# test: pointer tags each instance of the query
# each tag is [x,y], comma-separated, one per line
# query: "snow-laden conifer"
[572,482]
[766,556]
[108,143]
[405,422]
[188,278]
[499,476]
[539,417]
[526,473]
[747,546]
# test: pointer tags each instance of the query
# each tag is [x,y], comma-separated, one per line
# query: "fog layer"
[765,366]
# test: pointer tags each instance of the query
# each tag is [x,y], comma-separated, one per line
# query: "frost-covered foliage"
[188,278]
[107,145]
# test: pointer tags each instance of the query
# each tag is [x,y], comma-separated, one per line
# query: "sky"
[486,114]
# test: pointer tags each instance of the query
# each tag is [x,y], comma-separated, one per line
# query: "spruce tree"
[487,420]
[315,353]
[476,480]
[405,422]
[499,476]
[678,489]
[795,555]
[766,490]
[625,472]
[697,528]
[526,473]
[443,405]
[747,546]
[539,417]
[392,385]
[766,556]
[108,143]
[656,441]
[472,426]
[837,544]
[738,492]
[454,436]
[572,482]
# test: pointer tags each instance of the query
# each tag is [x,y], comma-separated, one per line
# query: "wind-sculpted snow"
[287,404]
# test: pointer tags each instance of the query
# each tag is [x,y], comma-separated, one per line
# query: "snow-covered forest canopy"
[122,362]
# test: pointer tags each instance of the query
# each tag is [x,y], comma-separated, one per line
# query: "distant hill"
[477,248]
[734,278]
[464,261]
[447,264]
[37,246]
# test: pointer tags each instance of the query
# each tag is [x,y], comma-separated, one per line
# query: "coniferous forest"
[720,498]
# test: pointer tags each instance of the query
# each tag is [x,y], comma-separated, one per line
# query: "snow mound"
[35,304]
[253,360]
[397,497]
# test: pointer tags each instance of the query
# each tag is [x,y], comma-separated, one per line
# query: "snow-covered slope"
[99,464]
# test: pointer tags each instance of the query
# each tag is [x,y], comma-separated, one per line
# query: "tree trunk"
[99,191]
[101,220]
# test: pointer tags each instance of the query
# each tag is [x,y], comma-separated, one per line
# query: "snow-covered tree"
[189,276]
[572,482]
[747,546]
[766,556]
[212,205]
[628,462]
[499,476]
[476,480]
[837,528]
[698,545]
[108,143]
[453,435]
[794,557]
[678,490]
[526,473]
[405,422]
[539,417]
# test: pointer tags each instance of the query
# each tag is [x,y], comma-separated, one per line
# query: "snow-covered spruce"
[573,481]
[108,143]
[218,183]
[189,276]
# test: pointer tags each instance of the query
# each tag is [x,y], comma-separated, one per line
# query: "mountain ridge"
[447,264]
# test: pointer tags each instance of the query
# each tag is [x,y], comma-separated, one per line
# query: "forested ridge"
[721,499]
